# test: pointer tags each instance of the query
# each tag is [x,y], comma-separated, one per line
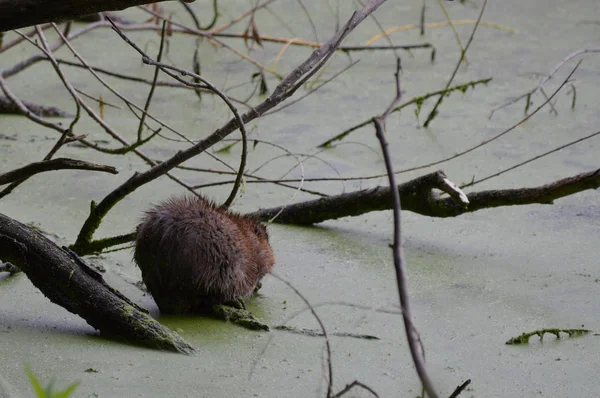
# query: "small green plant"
[524,338]
[49,392]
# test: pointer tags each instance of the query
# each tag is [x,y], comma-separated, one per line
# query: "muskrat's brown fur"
[194,254]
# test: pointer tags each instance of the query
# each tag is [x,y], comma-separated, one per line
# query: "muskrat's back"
[193,254]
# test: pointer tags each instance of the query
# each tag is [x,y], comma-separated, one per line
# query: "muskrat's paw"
[240,317]
[257,288]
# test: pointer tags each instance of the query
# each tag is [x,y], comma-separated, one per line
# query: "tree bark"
[9,108]
[16,14]
[51,165]
[67,281]
[418,196]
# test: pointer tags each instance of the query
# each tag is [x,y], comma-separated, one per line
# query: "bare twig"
[239,18]
[19,40]
[322,326]
[195,18]
[463,54]
[381,29]
[290,103]
[19,67]
[310,20]
[354,384]
[587,137]
[214,39]
[412,335]
[127,146]
[561,63]
[449,20]
[418,101]
[460,389]
[69,88]
[283,91]
[205,83]
[154,80]
[438,25]
[165,68]
[481,144]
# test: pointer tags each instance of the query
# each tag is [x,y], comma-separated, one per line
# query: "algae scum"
[475,281]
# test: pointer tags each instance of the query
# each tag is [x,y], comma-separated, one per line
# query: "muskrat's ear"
[261,231]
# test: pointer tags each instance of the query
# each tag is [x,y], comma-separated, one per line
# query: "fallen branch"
[8,107]
[418,196]
[50,165]
[67,281]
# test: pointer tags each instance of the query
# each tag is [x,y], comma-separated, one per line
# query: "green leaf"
[37,387]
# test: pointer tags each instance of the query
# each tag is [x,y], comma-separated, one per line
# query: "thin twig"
[69,88]
[482,143]
[587,137]
[355,383]
[322,326]
[154,80]
[283,91]
[190,11]
[460,389]
[449,20]
[239,18]
[418,101]
[463,54]
[381,29]
[312,24]
[311,90]
[127,147]
[398,252]
[238,181]
[561,63]
[212,38]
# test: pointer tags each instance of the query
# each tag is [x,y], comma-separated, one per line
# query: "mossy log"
[67,281]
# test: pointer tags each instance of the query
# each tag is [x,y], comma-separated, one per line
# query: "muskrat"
[194,254]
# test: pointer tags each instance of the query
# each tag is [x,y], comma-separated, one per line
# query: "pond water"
[475,281]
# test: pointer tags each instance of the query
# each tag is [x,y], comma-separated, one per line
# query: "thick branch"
[10,108]
[67,281]
[418,196]
[545,194]
[50,165]
[17,14]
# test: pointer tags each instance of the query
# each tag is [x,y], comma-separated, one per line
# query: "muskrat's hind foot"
[237,303]
[240,317]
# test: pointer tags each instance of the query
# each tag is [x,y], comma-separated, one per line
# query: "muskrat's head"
[260,244]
